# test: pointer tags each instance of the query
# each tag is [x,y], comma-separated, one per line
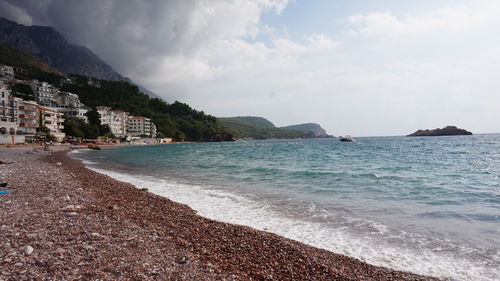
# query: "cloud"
[454,18]
[15,13]
[138,29]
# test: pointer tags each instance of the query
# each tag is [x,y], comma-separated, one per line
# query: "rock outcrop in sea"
[446,131]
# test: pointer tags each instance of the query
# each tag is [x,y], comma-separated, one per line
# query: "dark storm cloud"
[120,31]
[127,32]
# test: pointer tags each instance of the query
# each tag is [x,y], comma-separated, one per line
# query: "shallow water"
[426,205]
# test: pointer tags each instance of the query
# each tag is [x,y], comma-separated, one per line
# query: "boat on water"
[347,138]
[94,147]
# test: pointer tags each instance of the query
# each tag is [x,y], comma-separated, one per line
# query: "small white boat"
[347,138]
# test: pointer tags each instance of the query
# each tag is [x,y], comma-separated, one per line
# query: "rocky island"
[446,131]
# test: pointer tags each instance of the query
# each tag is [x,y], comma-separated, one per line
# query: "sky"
[364,68]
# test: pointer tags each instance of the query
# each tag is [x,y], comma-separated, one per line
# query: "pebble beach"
[61,221]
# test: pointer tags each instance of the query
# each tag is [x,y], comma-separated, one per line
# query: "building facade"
[74,112]
[52,120]
[67,100]
[139,126]
[153,130]
[117,120]
[9,128]
[27,119]
[121,118]
[45,93]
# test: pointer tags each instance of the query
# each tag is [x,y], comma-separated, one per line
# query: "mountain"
[308,127]
[446,131]
[251,127]
[51,47]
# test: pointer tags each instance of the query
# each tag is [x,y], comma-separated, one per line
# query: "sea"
[427,205]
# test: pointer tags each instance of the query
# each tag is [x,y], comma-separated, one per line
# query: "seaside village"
[21,121]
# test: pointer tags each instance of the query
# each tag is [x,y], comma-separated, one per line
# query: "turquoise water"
[425,205]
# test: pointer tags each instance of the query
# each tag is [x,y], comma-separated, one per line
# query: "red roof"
[117,110]
[138,117]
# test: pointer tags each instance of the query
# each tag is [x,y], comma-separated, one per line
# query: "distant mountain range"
[251,127]
[51,47]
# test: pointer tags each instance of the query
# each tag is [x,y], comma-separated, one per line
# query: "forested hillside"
[177,120]
[259,128]
[35,69]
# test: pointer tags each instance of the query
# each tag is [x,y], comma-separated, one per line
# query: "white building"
[115,119]
[50,96]
[74,112]
[45,93]
[67,100]
[153,130]
[121,118]
[139,126]
[53,120]
[9,127]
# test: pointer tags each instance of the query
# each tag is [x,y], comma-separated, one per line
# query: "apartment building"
[139,126]
[45,93]
[53,120]
[67,100]
[115,119]
[27,118]
[122,120]
[9,128]
[74,112]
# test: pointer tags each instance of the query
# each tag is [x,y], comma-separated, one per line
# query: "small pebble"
[72,214]
[59,164]
[183,260]
[66,198]
[18,264]
[28,250]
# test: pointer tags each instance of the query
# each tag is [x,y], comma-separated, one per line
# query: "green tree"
[93,117]
[74,127]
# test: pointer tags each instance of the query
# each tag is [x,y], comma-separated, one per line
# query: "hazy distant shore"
[85,225]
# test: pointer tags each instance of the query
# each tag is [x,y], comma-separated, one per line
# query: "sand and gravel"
[61,221]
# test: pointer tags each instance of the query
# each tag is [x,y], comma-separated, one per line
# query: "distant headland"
[446,131]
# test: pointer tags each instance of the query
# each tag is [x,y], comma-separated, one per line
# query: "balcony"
[27,108]
[27,116]
[27,125]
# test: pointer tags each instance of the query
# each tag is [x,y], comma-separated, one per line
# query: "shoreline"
[122,232]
